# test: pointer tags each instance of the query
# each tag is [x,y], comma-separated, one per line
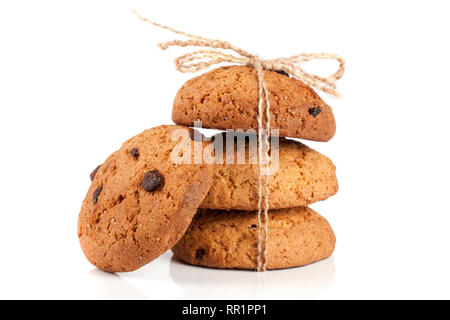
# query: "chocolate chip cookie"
[140,201]
[227,98]
[297,237]
[303,175]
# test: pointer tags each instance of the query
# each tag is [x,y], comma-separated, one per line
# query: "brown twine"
[202,59]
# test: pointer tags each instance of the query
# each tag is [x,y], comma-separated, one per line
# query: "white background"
[77,78]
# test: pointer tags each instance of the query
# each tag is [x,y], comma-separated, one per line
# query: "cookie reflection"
[111,286]
[306,282]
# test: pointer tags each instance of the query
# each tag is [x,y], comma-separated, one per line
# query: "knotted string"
[203,59]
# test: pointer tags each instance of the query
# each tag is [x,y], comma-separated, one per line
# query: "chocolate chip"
[96,194]
[93,173]
[253,226]
[314,111]
[284,73]
[199,254]
[135,152]
[152,181]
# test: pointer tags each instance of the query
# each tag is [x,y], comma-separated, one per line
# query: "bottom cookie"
[228,239]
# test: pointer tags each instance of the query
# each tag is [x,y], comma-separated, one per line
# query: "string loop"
[203,59]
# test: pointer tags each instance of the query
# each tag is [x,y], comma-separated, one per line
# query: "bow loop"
[203,59]
[305,57]
[292,66]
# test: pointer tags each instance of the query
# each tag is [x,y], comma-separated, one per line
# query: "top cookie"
[140,202]
[227,98]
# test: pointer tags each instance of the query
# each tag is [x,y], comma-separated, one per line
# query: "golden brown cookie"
[227,98]
[140,202]
[304,176]
[297,236]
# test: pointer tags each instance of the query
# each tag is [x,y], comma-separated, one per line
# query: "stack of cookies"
[143,201]
[223,234]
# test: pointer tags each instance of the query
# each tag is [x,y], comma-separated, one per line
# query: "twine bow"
[203,59]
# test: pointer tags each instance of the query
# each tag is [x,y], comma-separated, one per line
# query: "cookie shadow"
[111,286]
[306,282]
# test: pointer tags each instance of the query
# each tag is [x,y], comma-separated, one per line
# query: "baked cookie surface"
[303,176]
[227,98]
[297,237]
[140,202]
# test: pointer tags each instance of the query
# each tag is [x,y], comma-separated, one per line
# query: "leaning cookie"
[140,202]
[227,98]
[297,237]
[301,175]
